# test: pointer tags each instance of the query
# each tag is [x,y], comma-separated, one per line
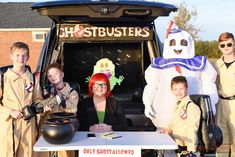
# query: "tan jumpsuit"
[226,108]
[185,124]
[16,96]
[72,99]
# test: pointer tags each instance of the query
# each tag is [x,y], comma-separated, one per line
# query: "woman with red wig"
[100,112]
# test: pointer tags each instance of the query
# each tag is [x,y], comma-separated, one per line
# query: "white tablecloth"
[140,140]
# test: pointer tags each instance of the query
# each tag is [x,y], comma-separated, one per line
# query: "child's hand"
[165,131]
[16,114]
[47,108]
[169,131]
[162,131]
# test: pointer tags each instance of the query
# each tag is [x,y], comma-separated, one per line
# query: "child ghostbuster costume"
[17,136]
[185,124]
[178,59]
[71,99]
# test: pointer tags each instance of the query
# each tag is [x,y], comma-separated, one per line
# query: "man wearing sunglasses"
[225,67]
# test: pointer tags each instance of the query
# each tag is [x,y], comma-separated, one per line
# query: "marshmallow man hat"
[178,43]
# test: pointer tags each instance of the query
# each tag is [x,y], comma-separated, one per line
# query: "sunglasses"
[228,45]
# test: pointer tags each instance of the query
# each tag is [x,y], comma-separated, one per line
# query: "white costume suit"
[157,97]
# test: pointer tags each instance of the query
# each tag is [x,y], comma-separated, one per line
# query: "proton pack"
[209,134]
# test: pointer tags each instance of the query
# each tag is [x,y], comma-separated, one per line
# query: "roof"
[20,15]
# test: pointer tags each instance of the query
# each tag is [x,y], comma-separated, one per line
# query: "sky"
[213,17]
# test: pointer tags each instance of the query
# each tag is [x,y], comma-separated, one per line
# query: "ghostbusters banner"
[83,32]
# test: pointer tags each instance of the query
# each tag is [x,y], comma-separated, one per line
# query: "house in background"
[19,23]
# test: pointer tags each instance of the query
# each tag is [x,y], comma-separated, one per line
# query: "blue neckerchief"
[196,63]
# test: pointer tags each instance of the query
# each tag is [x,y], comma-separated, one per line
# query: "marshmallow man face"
[179,45]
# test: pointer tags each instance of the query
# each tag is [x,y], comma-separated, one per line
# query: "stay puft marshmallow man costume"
[178,59]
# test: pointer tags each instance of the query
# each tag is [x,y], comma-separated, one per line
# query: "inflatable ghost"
[178,59]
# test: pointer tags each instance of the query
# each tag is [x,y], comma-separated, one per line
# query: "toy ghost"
[178,59]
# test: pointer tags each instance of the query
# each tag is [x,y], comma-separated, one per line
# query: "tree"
[207,48]
[183,19]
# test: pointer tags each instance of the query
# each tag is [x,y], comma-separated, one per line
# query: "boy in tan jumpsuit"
[63,93]
[225,67]
[18,136]
[186,119]
[63,90]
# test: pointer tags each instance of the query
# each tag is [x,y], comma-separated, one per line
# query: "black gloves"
[30,111]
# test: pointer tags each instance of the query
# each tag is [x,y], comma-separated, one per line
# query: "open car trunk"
[114,37]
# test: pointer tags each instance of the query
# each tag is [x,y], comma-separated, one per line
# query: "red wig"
[99,77]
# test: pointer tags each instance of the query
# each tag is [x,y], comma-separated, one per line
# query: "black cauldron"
[58,130]
[66,115]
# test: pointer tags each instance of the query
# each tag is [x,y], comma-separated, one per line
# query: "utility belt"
[227,98]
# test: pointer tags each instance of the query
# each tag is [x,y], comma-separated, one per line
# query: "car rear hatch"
[103,11]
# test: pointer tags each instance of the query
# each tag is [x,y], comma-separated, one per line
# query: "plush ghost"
[178,59]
